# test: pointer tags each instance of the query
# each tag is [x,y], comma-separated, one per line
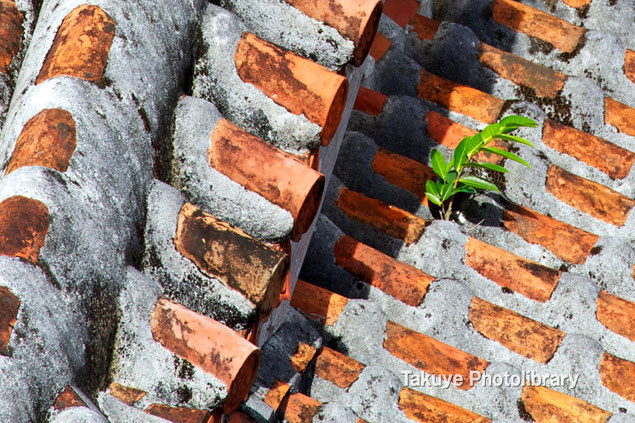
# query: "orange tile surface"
[403,172]
[318,303]
[611,159]
[459,98]
[543,80]
[548,406]
[589,197]
[24,224]
[629,65]
[302,357]
[516,332]
[619,115]
[300,409]
[10,33]
[392,220]
[563,240]
[526,277]
[430,355]
[276,394]
[401,11]
[9,307]
[337,367]
[536,23]
[618,375]
[424,27]
[380,46]
[617,314]
[81,46]
[125,394]
[428,409]
[179,414]
[68,398]
[295,83]
[404,282]
[369,101]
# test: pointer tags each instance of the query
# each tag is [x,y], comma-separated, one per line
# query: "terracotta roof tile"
[392,220]
[125,394]
[369,101]
[380,46]
[617,314]
[293,82]
[576,3]
[536,23]
[543,80]
[24,224]
[48,139]
[179,414]
[547,406]
[68,398]
[262,168]
[618,375]
[299,408]
[459,98]
[81,45]
[428,409]
[337,368]
[526,277]
[10,33]
[611,159]
[207,344]
[276,394]
[619,115]
[404,282]
[563,240]
[432,356]
[589,197]
[302,357]
[424,27]
[318,303]
[9,307]
[403,172]
[401,11]
[355,20]
[520,334]
[243,263]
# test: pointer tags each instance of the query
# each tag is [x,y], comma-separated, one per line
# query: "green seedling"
[452,178]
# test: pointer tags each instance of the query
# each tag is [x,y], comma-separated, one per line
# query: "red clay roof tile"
[68,398]
[404,282]
[318,303]
[392,220]
[179,414]
[589,197]
[629,65]
[618,375]
[401,11]
[428,409]
[299,408]
[424,27]
[619,115]
[547,406]
[81,45]
[432,356]
[24,224]
[9,306]
[209,345]
[617,314]
[520,334]
[380,46]
[403,172]
[526,277]
[125,394]
[10,33]
[262,168]
[563,240]
[295,83]
[48,139]
[536,23]
[369,101]
[337,367]
[276,394]
[459,98]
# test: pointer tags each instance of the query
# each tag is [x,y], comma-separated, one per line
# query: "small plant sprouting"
[451,178]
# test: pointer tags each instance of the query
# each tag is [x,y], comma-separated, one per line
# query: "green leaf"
[490,166]
[490,132]
[513,138]
[516,121]
[431,188]
[473,146]
[438,164]
[476,182]
[447,191]
[506,154]
[460,156]
[436,200]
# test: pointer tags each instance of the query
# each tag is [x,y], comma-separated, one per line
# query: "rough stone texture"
[117,411]
[216,79]
[180,278]
[335,413]
[79,415]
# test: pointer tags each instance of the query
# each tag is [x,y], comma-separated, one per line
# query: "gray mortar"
[180,278]
[374,396]
[46,347]
[142,363]
[334,413]
[257,409]
[79,415]
[194,122]
[284,343]
[216,80]
[118,412]
[286,26]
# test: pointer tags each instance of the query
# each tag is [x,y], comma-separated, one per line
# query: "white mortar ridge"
[286,26]
[117,411]
[212,191]
[216,80]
